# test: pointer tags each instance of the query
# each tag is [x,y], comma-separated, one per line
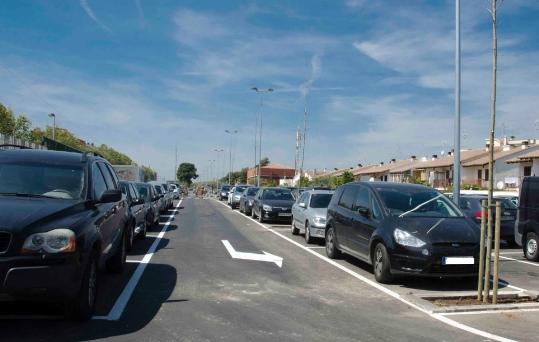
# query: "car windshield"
[48,180]
[240,189]
[225,188]
[142,191]
[158,189]
[417,202]
[278,194]
[252,191]
[507,204]
[320,200]
[165,187]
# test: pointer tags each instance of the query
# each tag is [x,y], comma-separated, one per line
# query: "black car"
[62,216]
[136,222]
[223,192]
[151,202]
[527,224]
[471,206]
[247,199]
[401,229]
[273,204]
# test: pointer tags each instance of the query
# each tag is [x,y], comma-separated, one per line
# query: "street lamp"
[230,154]
[53,116]
[218,151]
[261,92]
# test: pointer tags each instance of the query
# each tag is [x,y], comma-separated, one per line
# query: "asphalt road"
[193,290]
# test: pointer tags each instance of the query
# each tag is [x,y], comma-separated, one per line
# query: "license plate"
[285,214]
[458,261]
[507,218]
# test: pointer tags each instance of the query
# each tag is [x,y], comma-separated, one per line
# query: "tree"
[7,120]
[305,181]
[22,128]
[265,161]
[186,173]
[149,173]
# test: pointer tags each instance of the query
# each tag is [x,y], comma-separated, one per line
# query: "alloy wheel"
[378,261]
[531,246]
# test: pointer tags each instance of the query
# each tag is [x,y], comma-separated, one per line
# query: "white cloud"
[86,7]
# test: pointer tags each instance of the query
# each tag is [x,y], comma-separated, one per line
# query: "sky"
[377,77]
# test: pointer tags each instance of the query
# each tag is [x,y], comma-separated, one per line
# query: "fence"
[9,140]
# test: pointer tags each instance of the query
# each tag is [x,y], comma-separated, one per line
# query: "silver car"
[309,214]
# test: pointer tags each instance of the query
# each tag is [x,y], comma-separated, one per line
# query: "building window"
[527,171]
[486,175]
[479,174]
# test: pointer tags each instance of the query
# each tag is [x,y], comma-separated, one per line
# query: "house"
[528,164]
[274,172]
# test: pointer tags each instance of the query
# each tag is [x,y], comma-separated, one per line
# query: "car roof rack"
[87,153]
[20,147]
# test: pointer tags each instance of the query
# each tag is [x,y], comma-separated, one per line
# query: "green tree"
[305,181]
[265,161]
[7,120]
[186,173]
[149,173]
[22,128]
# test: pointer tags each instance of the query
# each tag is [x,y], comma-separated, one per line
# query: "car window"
[531,194]
[417,202]
[320,200]
[98,181]
[113,174]
[158,189]
[252,191]
[108,177]
[123,188]
[278,195]
[348,197]
[132,192]
[465,204]
[302,198]
[142,191]
[51,180]
[362,198]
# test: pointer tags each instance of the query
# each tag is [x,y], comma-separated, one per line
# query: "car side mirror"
[302,205]
[109,196]
[364,212]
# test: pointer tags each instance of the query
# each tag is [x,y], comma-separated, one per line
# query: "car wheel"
[142,234]
[308,237]
[130,237]
[531,250]
[81,308]
[295,231]
[116,263]
[260,217]
[382,267]
[331,244]
[253,215]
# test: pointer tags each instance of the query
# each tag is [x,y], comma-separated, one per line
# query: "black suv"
[401,229]
[62,216]
[527,223]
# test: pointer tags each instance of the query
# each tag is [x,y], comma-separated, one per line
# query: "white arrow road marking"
[267,257]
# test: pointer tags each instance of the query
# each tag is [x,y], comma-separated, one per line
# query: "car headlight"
[320,220]
[54,241]
[404,238]
[237,197]
[223,193]
[266,207]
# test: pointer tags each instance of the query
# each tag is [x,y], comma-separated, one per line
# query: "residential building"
[274,172]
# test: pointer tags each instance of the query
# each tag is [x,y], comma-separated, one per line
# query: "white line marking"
[512,252]
[267,257]
[133,261]
[521,261]
[481,312]
[316,247]
[387,291]
[122,301]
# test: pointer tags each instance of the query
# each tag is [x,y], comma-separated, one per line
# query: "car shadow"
[153,291]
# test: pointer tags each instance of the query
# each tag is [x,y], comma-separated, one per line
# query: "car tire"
[260,217]
[253,215]
[142,234]
[531,247]
[308,237]
[295,231]
[81,308]
[130,237]
[332,251]
[381,264]
[116,263]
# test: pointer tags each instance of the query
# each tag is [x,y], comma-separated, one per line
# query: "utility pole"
[218,151]
[175,163]
[456,164]
[261,92]
[231,133]
[304,143]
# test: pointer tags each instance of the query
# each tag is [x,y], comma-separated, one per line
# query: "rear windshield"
[225,188]
[252,191]
[158,189]
[417,202]
[55,181]
[165,187]
[320,200]
[142,191]
[278,194]
[240,189]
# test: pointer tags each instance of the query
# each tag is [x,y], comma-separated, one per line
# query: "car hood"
[440,230]
[18,213]
[278,203]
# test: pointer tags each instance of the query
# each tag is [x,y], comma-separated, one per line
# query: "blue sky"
[143,76]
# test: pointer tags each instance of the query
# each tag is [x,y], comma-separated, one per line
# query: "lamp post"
[456,164]
[218,151]
[261,92]
[231,133]
[53,116]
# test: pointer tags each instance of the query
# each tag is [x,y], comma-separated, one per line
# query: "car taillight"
[478,214]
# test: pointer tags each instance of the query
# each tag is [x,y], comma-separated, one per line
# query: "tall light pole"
[456,164]
[261,92]
[231,133]
[53,116]
[218,151]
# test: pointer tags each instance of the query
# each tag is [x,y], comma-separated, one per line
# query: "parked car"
[175,191]
[246,200]
[161,194]
[273,204]
[309,214]
[471,206]
[401,229]
[62,216]
[223,192]
[169,197]
[234,199]
[136,221]
[151,202]
[527,223]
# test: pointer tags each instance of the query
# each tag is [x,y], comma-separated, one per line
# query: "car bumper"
[414,263]
[277,216]
[35,278]
[318,231]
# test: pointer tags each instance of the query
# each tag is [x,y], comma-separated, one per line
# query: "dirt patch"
[470,300]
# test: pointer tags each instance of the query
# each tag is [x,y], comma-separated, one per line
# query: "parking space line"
[511,252]
[133,261]
[122,301]
[383,289]
[315,247]
[521,261]
[482,312]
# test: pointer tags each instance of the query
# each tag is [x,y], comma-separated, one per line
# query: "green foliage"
[304,182]
[113,156]
[22,128]
[265,161]
[418,181]
[186,173]
[236,177]
[149,174]
[269,182]
[7,120]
